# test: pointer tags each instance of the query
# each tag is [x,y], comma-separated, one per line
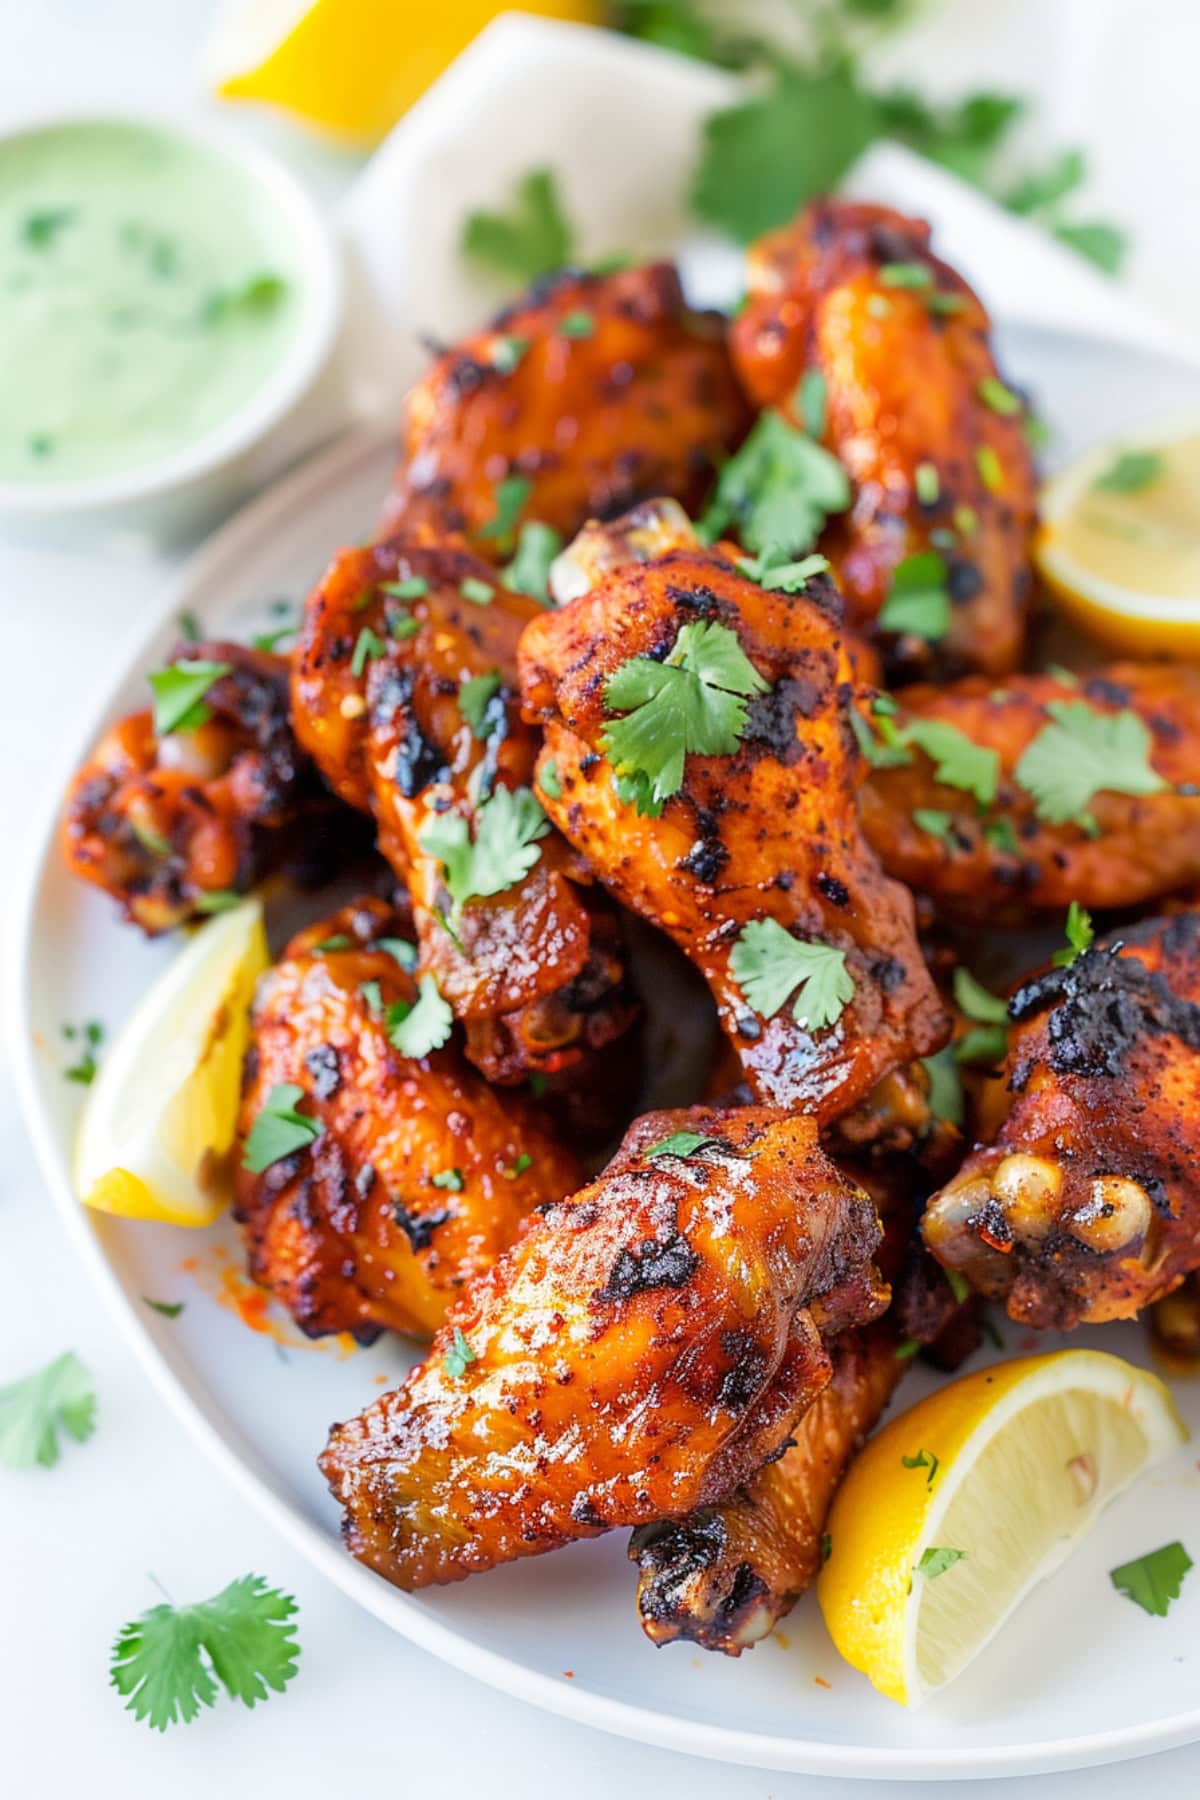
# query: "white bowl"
[181,492]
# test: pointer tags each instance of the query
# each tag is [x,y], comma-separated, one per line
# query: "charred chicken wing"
[405,693]
[638,1352]
[932,440]
[421,1174]
[754,862]
[1084,1202]
[591,392]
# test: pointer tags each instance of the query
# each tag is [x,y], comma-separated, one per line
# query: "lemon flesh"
[1028,1453]
[159,1119]
[350,67]
[1125,561]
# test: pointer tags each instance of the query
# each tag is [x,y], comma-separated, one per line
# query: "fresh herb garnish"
[511,495]
[399,949]
[776,491]
[372,997]
[170,1309]
[694,702]
[217,900]
[990,472]
[32,1410]
[508,828]
[916,275]
[1130,472]
[167,1663]
[532,238]
[680,1143]
[279,1129]
[189,627]
[945,1087]
[1080,934]
[507,352]
[459,1356]
[772,571]
[89,1037]
[339,941]
[812,397]
[1154,1580]
[40,229]
[907,1348]
[999,398]
[958,762]
[578,324]
[259,294]
[529,570]
[935,1561]
[548,780]
[927,483]
[989,1041]
[959,1286]
[1083,753]
[769,965]
[417,1027]
[523,1162]
[924,1459]
[449,1178]
[918,601]
[473,698]
[179,692]
[479,593]
[413,587]
[1000,835]
[938,824]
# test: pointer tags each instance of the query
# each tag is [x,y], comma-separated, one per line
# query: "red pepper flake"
[821,1681]
[570,1674]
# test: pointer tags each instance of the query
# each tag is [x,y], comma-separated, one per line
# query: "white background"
[77,1544]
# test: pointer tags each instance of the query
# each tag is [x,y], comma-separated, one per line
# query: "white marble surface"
[80,1542]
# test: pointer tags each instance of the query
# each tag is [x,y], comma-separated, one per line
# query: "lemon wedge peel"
[159,1119]
[1103,1423]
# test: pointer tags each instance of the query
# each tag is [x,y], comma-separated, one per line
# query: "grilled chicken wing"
[597,390]
[1003,860]
[932,441]
[1083,1204]
[422,1174]
[637,1353]
[161,822]
[769,832]
[405,693]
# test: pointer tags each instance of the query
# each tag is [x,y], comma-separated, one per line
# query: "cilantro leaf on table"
[279,1130]
[504,848]
[695,702]
[415,1027]
[532,238]
[1080,935]
[32,1410]
[958,762]
[529,570]
[1082,753]
[770,965]
[1154,1580]
[919,599]
[179,692]
[167,1663]
[777,491]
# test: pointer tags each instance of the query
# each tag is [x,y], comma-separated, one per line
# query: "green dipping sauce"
[146,294]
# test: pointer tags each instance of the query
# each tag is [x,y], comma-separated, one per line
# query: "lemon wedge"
[160,1115]
[1119,543]
[959,1506]
[350,67]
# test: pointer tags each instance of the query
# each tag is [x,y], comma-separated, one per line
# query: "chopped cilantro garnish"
[416,1027]
[170,1309]
[777,491]
[367,646]
[679,1143]
[33,1409]
[906,275]
[771,571]
[936,1560]
[966,520]
[339,941]
[529,570]
[89,1037]
[459,1356]
[189,627]
[217,900]
[168,1662]
[924,1459]
[1080,935]
[507,353]
[957,761]
[945,1087]
[694,702]
[919,602]
[811,402]
[372,994]
[1130,472]
[1082,753]
[413,587]
[959,1286]
[887,751]
[449,1178]
[937,824]
[945,305]
[927,483]
[511,495]
[578,324]
[503,851]
[1154,1580]
[994,394]
[473,698]
[523,1162]
[769,965]
[978,1002]
[179,692]
[990,472]
[530,239]
[399,949]
[986,1044]
[479,593]
[548,779]
[1000,835]
[279,1129]
[907,1348]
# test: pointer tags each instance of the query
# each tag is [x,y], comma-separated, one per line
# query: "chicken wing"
[932,441]
[1083,1202]
[594,390]
[769,832]
[637,1353]
[1002,860]
[421,1175]
[163,821]
[405,693]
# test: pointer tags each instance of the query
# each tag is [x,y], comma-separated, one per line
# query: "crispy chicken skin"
[354,1233]
[619,392]
[1145,846]
[837,293]
[160,822]
[1083,1203]
[637,1353]
[535,973]
[771,831]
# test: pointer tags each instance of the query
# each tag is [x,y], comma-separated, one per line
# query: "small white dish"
[181,492]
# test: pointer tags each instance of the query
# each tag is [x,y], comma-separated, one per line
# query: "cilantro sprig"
[531,238]
[57,1396]
[529,570]
[1082,753]
[279,1130]
[168,1662]
[988,1042]
[1130,472]
[179,690]
[918,601]
[415,1027]
[680,1143]
[1080,934]
[770,965]
[504,849]
[777,491]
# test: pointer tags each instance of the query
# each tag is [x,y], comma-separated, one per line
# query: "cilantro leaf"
[812,397]
[279,1129]
[217,900]
[459,1356]
[1080,934]
[533,237]
[473,703]
[919,600]
[769,965]
[680,1143]
[985,1044]
[1083,753]
[416,1027]
[1000,835]
[399,948]
[1101,243]
[945,1087]
[999,398]
[511,495]
[1154,1580]
[548,779]
[479,593]
[448,1178]
[888,750]
[577,324]
[179,692]
[938,824]
[976,1001]
[529,570]
[770,571]
[695,702]
[32,1410]
[776,491]
[167,1662]
[83,1069]
[924,1459]
[936,1560]
[1130,472]
[368,646]
[504,849]
[957,761]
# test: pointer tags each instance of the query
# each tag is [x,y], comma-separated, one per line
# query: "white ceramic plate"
[1080,1676]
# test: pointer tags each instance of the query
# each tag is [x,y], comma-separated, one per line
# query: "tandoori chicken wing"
[638,1352]
[996,802]
[1083,1202]
[754,861]
[849,304]
[421,1174]
[591,392]
[405,693]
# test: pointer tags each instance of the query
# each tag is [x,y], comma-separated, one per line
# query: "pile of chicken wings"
[714,635]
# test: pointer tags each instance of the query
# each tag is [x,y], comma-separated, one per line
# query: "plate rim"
[390,1605]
